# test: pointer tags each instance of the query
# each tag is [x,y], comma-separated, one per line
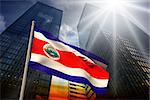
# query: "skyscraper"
[126,51]
[13,43]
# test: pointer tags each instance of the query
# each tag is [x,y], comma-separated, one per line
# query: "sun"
[114,5]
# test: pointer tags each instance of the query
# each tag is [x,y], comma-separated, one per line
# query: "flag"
[50,55]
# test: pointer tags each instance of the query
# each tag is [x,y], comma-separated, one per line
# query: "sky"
[10,10]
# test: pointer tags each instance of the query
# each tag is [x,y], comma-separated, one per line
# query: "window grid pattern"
[13,43]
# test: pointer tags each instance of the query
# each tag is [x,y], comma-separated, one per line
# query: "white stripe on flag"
[66,70]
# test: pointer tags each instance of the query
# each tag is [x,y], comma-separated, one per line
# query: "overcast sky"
[10,10]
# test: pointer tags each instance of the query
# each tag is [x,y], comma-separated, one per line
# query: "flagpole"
[26,62]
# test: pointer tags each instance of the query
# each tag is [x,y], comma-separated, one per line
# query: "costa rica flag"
[50,55]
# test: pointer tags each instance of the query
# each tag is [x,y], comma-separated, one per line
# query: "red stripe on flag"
[37,46]
[69,59]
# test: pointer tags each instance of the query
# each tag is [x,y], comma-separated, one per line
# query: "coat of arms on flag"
[50,51]
[57,58]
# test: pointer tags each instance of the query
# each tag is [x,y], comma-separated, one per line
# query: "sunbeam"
[137,7]
[106,16]
[119,6]
[100,27]
[133,33]
[95,17]
[130,17]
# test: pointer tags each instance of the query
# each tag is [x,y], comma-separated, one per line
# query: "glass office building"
[127,53]
[13,43]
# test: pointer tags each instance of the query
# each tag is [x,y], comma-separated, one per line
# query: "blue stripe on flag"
[86,53]
[50,71]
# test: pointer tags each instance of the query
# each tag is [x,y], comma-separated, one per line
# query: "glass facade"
[13,43]
[128,64]
[96,19]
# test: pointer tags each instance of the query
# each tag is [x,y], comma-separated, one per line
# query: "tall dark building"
[127,52]
[13,43]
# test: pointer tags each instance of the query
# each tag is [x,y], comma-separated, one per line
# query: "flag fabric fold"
[50,55]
